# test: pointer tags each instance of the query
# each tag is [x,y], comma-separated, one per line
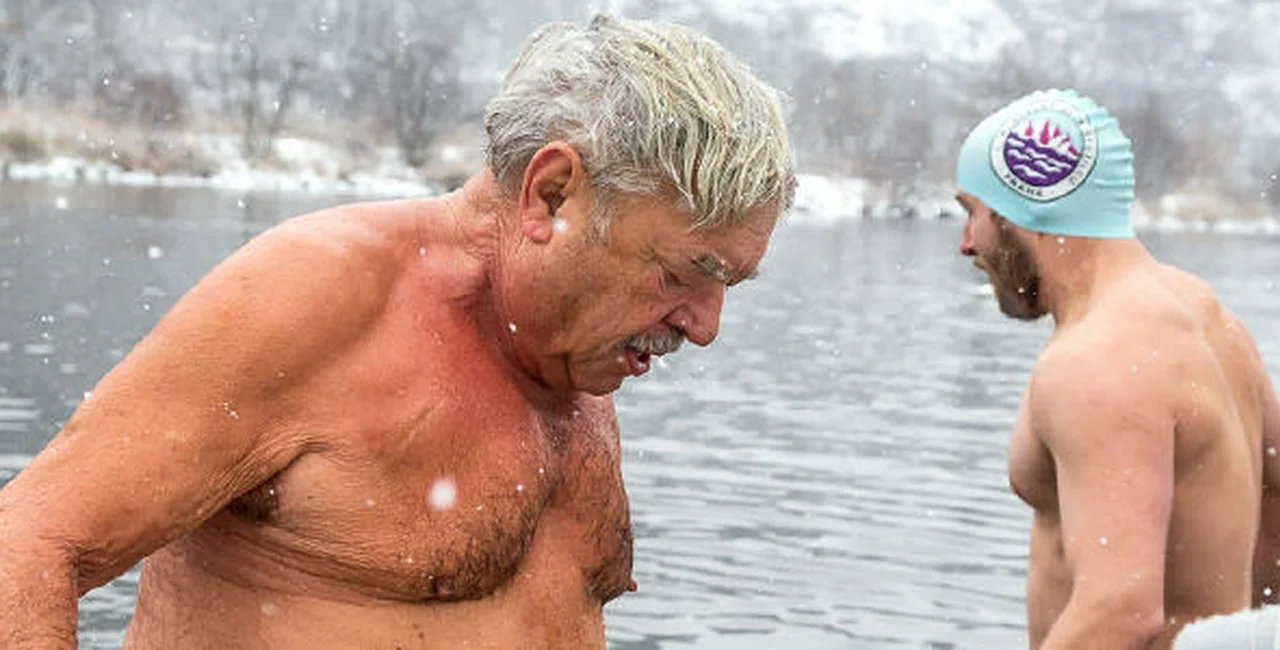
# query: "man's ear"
[553,175]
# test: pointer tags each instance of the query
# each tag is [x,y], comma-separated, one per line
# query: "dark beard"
[1015,278]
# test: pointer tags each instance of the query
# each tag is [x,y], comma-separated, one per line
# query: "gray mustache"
[656,345]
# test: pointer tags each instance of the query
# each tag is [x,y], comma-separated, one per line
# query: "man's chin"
[601,377]
[1016,306]
[1021,312]
[1026,317]
[598,384]
[603,389]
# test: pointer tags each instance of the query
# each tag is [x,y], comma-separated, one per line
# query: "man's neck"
[502,310]
[1074,270]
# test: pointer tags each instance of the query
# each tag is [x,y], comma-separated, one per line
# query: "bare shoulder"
[1224,340]
[366,234]
[1156,321]
[276,308]
[215,380]
[336,256]
[1198,303]
[284,302]
[1119,368]
[1119,349]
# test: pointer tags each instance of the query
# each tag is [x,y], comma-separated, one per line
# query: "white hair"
[654,110]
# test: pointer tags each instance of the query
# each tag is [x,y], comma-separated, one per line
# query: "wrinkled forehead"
[758,221]
[733,252]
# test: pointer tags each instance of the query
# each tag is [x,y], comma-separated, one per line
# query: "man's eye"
[672,280]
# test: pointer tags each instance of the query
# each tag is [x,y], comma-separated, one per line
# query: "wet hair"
[654,110]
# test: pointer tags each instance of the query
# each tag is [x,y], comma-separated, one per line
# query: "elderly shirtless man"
[1146,440]
[389,425]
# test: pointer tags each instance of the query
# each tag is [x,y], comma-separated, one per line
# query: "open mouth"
[637,361]
[640,350]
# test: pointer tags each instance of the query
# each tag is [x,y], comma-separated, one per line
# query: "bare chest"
[453,518]
[447,486]
[1032,475]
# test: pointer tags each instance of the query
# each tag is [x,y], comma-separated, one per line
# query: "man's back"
[1218,457]
[1165,350]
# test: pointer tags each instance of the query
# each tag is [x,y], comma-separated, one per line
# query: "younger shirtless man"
[1146,438]
[388,425]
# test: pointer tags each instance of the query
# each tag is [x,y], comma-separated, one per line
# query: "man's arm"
[1112,440]
[1266,558]
[195,415]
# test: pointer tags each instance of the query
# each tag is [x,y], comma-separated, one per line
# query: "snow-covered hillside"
[879,90]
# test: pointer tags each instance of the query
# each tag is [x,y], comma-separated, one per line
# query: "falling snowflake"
[443,494]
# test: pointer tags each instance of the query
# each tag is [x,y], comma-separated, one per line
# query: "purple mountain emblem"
[1040,154]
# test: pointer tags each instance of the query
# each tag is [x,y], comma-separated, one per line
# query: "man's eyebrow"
[713,266]
[716,268]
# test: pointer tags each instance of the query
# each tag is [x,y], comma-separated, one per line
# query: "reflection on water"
[830,474]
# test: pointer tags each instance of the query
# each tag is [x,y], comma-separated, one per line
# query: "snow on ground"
[826,200]
[237,177]
[307,166]
[296,164]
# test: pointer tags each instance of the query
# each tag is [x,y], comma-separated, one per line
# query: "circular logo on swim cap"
[1045,150]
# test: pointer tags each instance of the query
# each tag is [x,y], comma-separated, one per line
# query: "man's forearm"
[38,599]
[1080,628]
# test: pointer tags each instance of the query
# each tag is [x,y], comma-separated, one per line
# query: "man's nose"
[966,241]
[699,318]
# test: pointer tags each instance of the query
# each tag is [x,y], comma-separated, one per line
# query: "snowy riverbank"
[308,166]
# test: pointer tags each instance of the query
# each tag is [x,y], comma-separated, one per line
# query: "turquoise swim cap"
[1054,162]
